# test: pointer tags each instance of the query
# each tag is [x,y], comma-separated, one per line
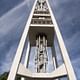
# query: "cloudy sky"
[13,16]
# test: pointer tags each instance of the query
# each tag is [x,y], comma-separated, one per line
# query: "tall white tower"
[39,32]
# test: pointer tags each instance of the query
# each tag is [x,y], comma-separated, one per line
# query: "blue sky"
[13,16]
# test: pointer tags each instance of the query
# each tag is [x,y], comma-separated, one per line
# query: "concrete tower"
[39,32]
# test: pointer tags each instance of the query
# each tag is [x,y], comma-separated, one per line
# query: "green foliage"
[5,75]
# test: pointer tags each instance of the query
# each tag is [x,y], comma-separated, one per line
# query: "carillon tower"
[39,32]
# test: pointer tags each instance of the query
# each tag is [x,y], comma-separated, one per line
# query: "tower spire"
[41,28]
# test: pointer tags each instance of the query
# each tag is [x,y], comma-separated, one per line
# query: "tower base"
[27,74]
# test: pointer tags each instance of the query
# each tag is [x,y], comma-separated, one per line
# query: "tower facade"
[39,33]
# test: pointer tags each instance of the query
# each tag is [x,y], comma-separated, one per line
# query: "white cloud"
[11,24]
[10,19]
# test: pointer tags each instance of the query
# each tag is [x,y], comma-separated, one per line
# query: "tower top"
[41,5]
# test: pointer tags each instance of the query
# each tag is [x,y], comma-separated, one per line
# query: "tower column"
[64,52]
[54,57]
[15,64]
[26,61]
